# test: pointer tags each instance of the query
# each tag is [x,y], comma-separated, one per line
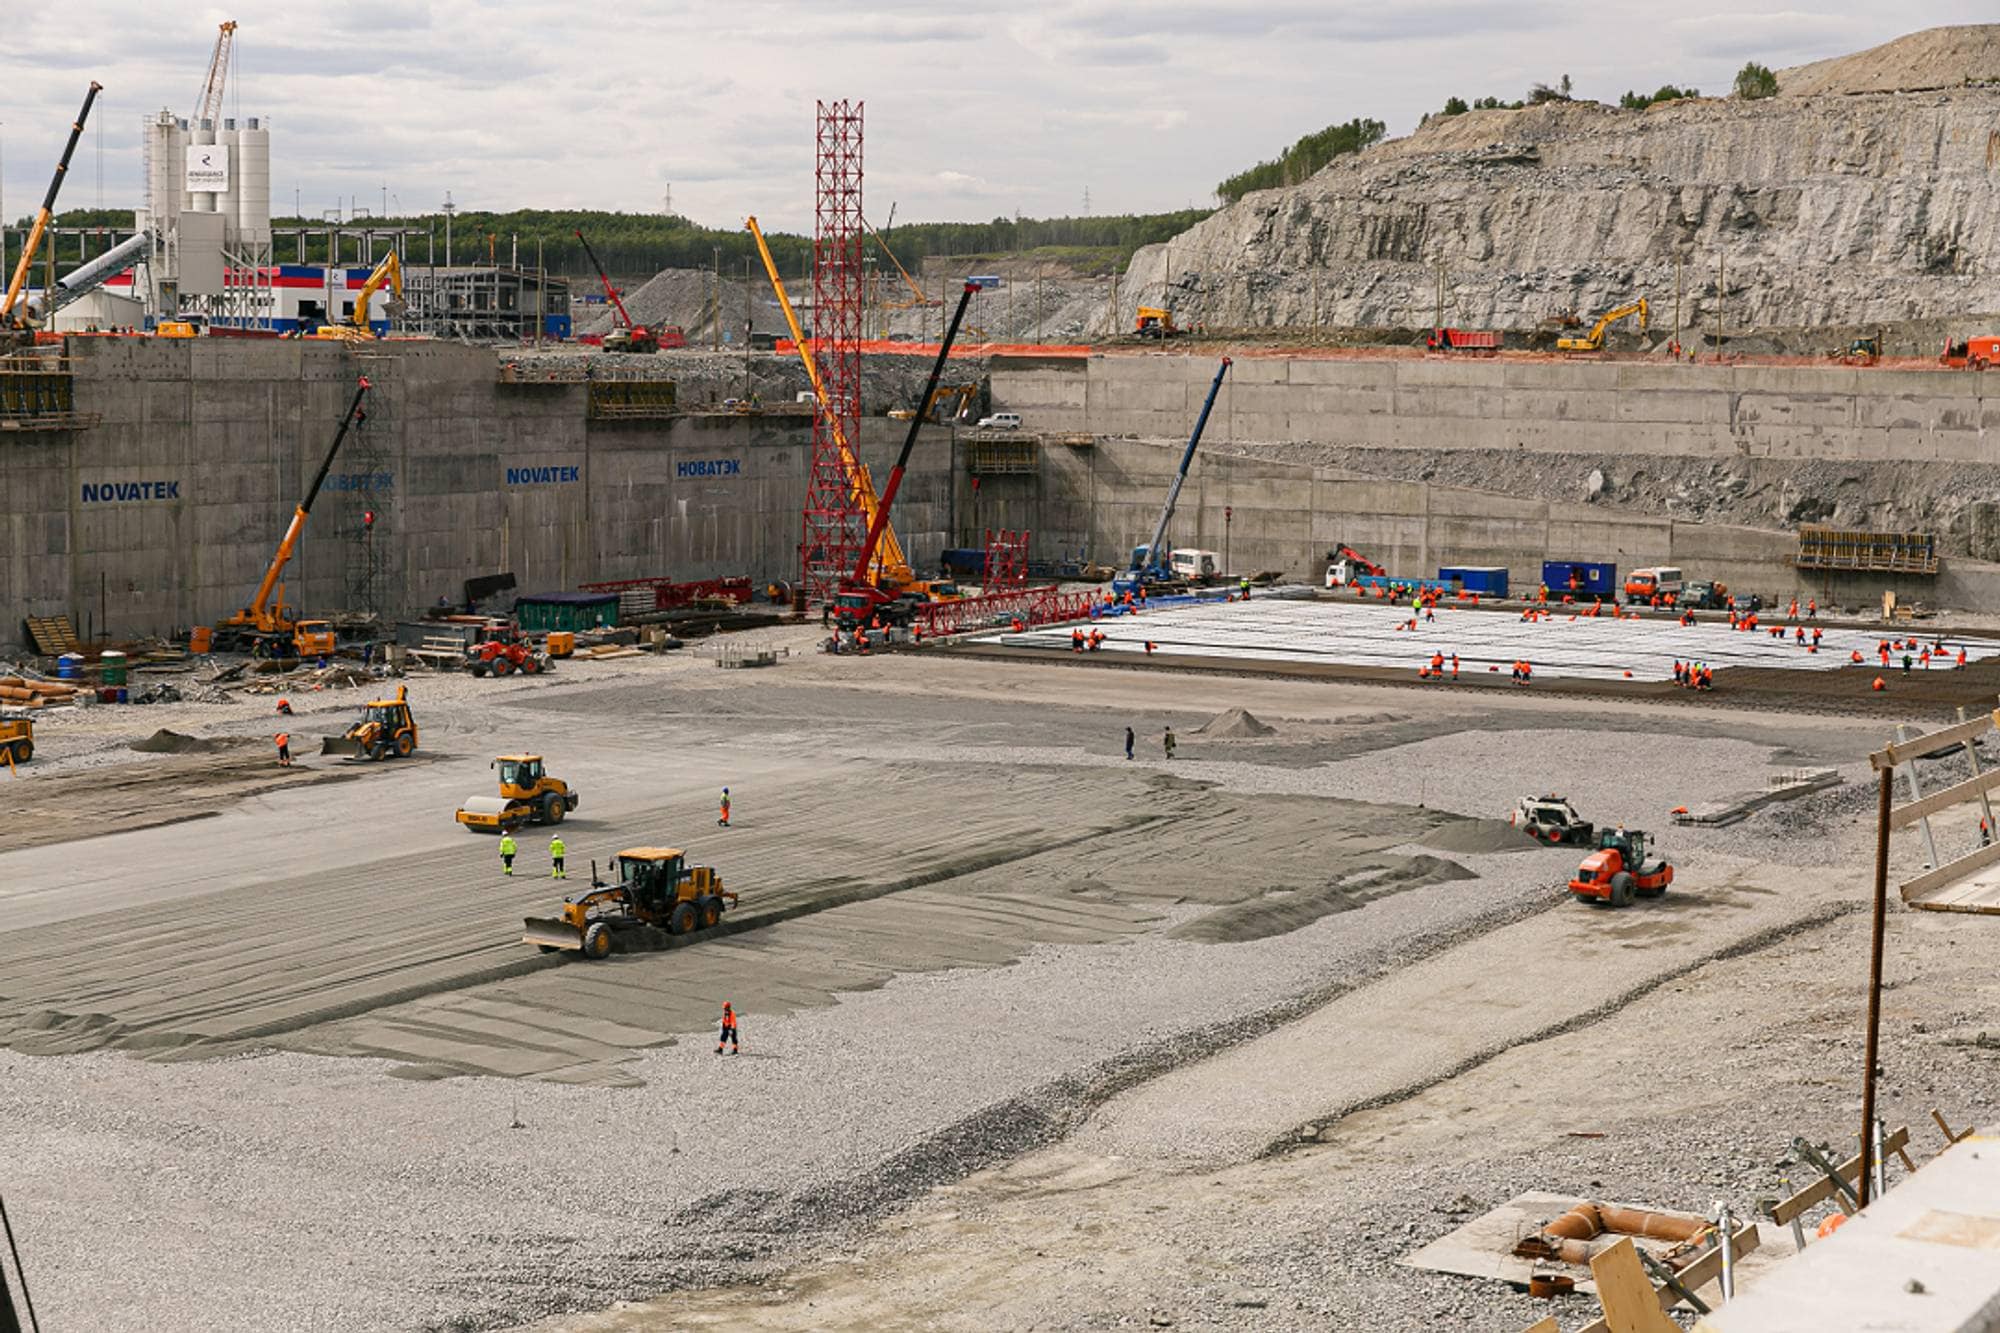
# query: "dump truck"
[386,728]
[1619,869]
[652,896]
[1478,342]
[528,795]
[1154,322]
[1972,354]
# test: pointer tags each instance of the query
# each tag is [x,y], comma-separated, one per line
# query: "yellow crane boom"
[916,291]
[891,565]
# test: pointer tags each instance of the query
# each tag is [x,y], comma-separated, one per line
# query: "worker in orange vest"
[728,1037]
[1437,664]
[1454,663]
[1812,609]
[284,740]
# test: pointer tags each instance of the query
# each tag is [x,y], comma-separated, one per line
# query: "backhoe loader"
[386,728]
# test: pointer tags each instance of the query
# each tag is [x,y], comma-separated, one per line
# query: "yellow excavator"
[389,271]
[267,623]
[1594,340]
[888,568]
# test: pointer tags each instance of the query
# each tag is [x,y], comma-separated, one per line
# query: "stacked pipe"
[35,693]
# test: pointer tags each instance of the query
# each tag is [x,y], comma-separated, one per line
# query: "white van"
[1197,566]
[1001,421]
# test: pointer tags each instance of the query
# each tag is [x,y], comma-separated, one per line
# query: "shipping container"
[1579,577]
[545,611]
[1486,580]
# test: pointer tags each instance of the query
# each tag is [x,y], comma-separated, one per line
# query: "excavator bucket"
[550,932]
[342,745]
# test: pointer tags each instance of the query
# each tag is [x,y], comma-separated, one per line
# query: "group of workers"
[1694,675]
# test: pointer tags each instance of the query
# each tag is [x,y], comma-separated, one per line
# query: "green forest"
[633,245]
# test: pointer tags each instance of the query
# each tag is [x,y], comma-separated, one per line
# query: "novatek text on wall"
[129,492]
[543,476]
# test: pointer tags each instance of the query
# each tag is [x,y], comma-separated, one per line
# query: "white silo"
[250,165]
[202,136]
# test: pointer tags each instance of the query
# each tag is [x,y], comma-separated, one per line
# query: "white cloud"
[1146,103]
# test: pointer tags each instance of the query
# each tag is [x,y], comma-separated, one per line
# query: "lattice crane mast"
[208,106]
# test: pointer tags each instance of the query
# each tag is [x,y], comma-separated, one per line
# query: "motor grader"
[1620,869]
[528,795]
[653,896]
[386,727]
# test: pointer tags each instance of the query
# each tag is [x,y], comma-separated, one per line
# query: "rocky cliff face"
[1821,209]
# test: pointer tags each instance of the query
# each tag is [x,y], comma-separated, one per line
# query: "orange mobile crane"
[277,625]
[8,317]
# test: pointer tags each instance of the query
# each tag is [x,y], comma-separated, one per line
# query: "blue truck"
[1580,578]
[1486,580]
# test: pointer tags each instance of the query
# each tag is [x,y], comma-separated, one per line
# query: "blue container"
[69,666]
[1486,580]
[1581,578]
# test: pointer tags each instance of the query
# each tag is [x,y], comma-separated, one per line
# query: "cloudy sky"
[974,109]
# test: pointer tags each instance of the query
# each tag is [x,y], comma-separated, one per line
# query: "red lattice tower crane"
[834,525]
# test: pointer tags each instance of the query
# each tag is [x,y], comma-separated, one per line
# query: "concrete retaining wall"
[166,513]
[1264,515]
[1580,406]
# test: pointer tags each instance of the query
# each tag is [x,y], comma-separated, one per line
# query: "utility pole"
[449,209]
[715,302]
[1719,290]
[541,292]
[1677,305]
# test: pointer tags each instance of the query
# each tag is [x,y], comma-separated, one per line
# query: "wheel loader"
[1619,869]
[528,795]
[652,896]
[386,728]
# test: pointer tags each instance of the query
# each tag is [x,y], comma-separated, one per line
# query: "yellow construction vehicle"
[267,621]
[1153,322]
[386,728]
[17,740]
[1594,340]
[528,795]
[389,271]
[653,895]
[177,328]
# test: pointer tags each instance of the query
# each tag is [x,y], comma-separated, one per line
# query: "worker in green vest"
[556,858]
[506,852]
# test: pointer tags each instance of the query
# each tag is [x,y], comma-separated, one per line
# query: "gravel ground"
[439,1213]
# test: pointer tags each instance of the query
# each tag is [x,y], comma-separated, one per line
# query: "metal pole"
[20,1275]
[1875,976]
[1728,1278]
[1881,1167]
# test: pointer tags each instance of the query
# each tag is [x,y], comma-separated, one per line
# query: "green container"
[538,614]
[111,668]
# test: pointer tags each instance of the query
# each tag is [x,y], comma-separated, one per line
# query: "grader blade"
[547,932]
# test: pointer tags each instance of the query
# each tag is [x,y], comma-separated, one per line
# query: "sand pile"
[174,742]
[1477,835]
[1235,724]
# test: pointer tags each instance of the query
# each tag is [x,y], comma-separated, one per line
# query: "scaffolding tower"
[834,527]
